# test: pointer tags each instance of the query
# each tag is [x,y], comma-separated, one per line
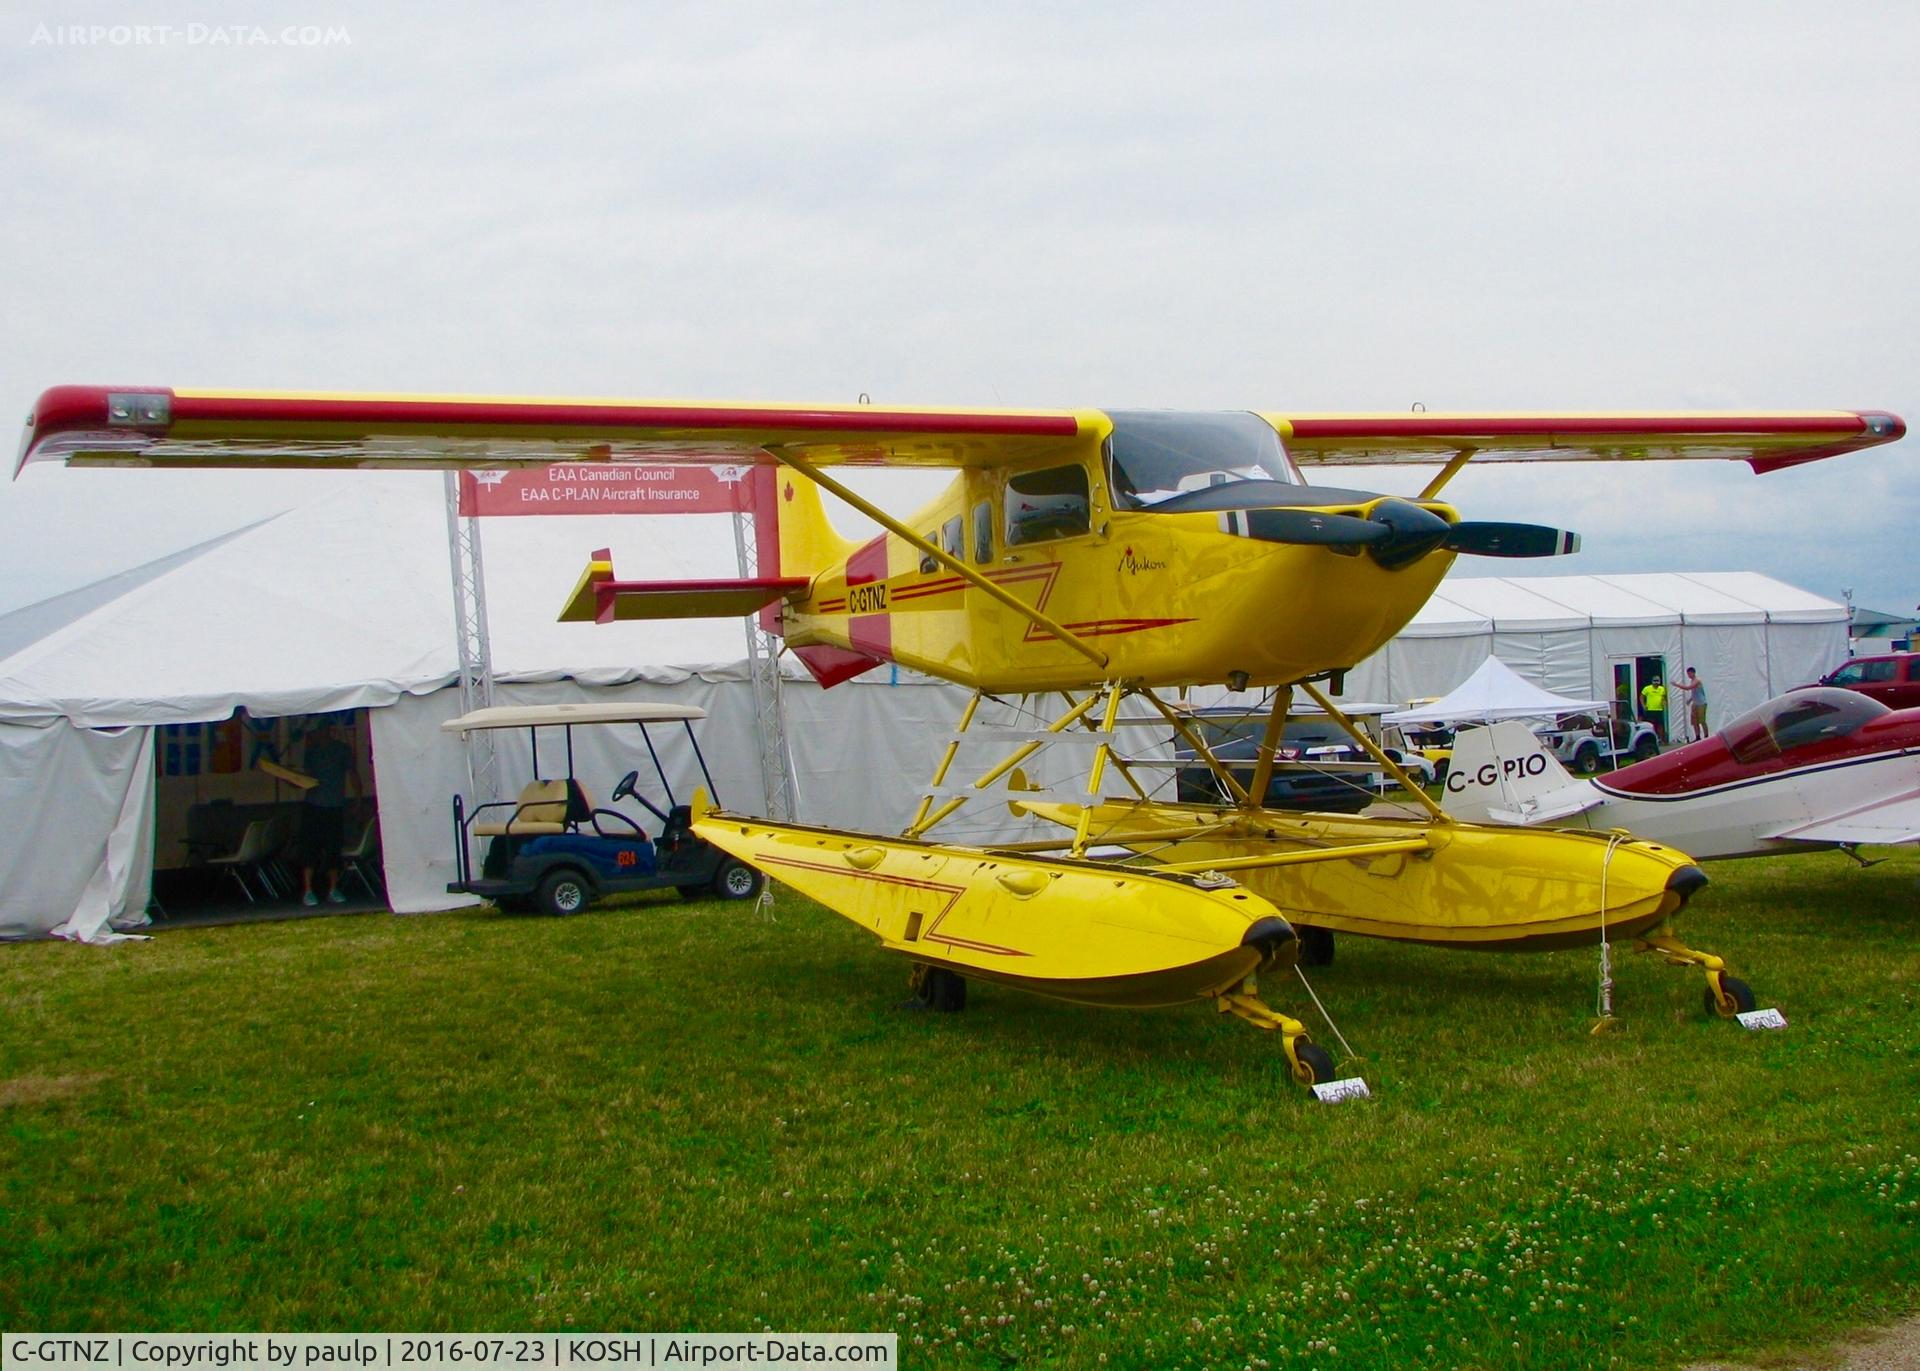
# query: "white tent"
[1493,692]
[346,603]
[1749,636]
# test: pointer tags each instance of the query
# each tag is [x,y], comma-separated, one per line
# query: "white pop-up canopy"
[1494,691]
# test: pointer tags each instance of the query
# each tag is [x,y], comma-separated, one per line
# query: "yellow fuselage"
[1167,599]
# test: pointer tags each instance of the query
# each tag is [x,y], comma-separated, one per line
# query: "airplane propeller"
[1399,533]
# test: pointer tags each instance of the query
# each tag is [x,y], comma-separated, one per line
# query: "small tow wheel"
[1737,991]
[736,881]
[1316,946]
[942,991]
[562,893]
[1315,1065]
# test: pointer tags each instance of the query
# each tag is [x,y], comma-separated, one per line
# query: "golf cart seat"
[543,807]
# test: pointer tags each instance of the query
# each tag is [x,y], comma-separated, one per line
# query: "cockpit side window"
[1047,504]
[983,533]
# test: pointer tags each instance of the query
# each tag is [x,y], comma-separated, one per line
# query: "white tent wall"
[1732,660]
[76,849]
[1750,637]
[1557,660]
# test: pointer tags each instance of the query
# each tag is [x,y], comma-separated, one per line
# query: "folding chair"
[362,861]
[256,847]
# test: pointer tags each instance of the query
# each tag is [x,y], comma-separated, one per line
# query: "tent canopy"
[347,603]
[1493,692]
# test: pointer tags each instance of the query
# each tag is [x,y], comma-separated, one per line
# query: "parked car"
[1584,743]
[1893,680]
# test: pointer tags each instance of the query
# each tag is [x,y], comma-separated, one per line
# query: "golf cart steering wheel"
[626,785]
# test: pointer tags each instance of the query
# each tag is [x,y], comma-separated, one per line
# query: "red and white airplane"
[1814,768]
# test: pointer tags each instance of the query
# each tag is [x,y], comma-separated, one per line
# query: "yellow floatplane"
[1103,557]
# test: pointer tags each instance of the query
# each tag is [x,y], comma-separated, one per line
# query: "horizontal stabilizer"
[1892,820]
[599,598]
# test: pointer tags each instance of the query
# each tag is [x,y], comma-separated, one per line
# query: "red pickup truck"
[1893,680]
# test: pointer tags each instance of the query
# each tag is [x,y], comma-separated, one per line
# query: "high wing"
[1894,819]
[1765,440]
[155,426]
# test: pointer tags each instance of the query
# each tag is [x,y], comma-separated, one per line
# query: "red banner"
[606,488]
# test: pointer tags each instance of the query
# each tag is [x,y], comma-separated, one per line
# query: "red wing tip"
[1885,427]
[1877,426]
[118,411]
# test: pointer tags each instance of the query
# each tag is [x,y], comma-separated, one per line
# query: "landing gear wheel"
[1316,946]
[562,893]
[1739,998]
[941,990]
[736,881]
[1314,1066]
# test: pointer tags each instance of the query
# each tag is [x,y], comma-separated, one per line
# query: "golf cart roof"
[540,716]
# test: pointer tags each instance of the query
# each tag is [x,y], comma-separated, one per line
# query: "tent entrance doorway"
[231,806]
[1631,675]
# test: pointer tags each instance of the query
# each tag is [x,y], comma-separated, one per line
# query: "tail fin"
[800,529]
[1501,773]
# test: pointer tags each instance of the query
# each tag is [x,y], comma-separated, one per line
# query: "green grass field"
[673,1116]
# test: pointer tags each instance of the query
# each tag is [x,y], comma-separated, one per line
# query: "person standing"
[1696,692]
[323,811]
[1653,708]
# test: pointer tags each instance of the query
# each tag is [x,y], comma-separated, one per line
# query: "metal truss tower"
[763,666]
[470,637]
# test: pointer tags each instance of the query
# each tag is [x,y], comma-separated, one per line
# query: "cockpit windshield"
[1797,720]
[1158,455]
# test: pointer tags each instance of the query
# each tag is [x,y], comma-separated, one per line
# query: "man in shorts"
[323,811]
[1696,691]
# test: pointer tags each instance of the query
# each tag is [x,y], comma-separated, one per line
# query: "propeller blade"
[1314,529]
[1488,538]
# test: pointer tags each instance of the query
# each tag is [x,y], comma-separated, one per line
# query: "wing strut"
[951,563]
[1394,769]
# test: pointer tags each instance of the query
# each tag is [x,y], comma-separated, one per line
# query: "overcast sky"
[1289,206]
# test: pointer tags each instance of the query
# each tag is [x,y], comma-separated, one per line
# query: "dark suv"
[1234,738]
[1893,680]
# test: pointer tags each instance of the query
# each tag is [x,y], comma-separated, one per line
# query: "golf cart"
[553,850]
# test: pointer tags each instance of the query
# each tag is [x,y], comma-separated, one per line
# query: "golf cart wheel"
[1738,991]
[1316,946]
[1645,748]
[943,991]
[736,881]
[693,892]
[562,893]
[1315,1063]
[1586,760]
